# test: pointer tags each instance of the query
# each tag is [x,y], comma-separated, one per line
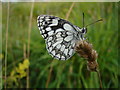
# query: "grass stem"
[6,45]
[49,76]
[69,11]
[99,76]
[29,34]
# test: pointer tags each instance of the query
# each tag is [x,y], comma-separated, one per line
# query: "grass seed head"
[85,50]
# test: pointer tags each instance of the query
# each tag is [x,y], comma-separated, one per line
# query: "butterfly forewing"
[60,36]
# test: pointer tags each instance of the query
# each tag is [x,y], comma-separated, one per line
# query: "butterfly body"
[60,36]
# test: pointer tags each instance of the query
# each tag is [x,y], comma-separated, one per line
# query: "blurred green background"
[44,71]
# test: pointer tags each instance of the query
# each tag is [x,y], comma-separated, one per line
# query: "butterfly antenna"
[94,22]
[83,20]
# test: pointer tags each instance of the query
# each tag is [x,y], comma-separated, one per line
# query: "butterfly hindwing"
[60,36]
[59,48]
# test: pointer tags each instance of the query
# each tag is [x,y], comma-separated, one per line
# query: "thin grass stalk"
[69,75]
[49,77]
[1,56]
[69,11]
[99,76]
[24,51]
[29,34]
[6,45]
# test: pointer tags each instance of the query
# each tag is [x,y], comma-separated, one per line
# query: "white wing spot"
[43,23]
[73,43]
[67,27]
[58,46]
[49,43]
[50,49]
[58,30]
[43,31]
[70,52]
[53,52]
[42,36]
[54,22]
[40,32]
[48,28]
[63,58]
[45,35]
[41,20]
[47,19]
[68,38]
[58,55]
[50,33]
[69,33]
[63,48]
[60,40]
[66,51]
[41,27]
[49,39]
[58,35]
[38,17]
[38,25]
[41,17]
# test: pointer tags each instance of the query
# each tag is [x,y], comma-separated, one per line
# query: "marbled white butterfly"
[60,36]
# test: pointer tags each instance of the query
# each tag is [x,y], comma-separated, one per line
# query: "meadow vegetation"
[45,71]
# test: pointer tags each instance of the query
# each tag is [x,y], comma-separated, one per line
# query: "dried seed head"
[92,65]
[85,50]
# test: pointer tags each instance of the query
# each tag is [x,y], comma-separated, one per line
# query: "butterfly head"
[83,30]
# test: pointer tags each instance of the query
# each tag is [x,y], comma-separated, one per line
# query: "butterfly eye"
[84,30]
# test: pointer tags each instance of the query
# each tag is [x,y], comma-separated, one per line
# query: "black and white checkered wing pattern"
[59,34]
